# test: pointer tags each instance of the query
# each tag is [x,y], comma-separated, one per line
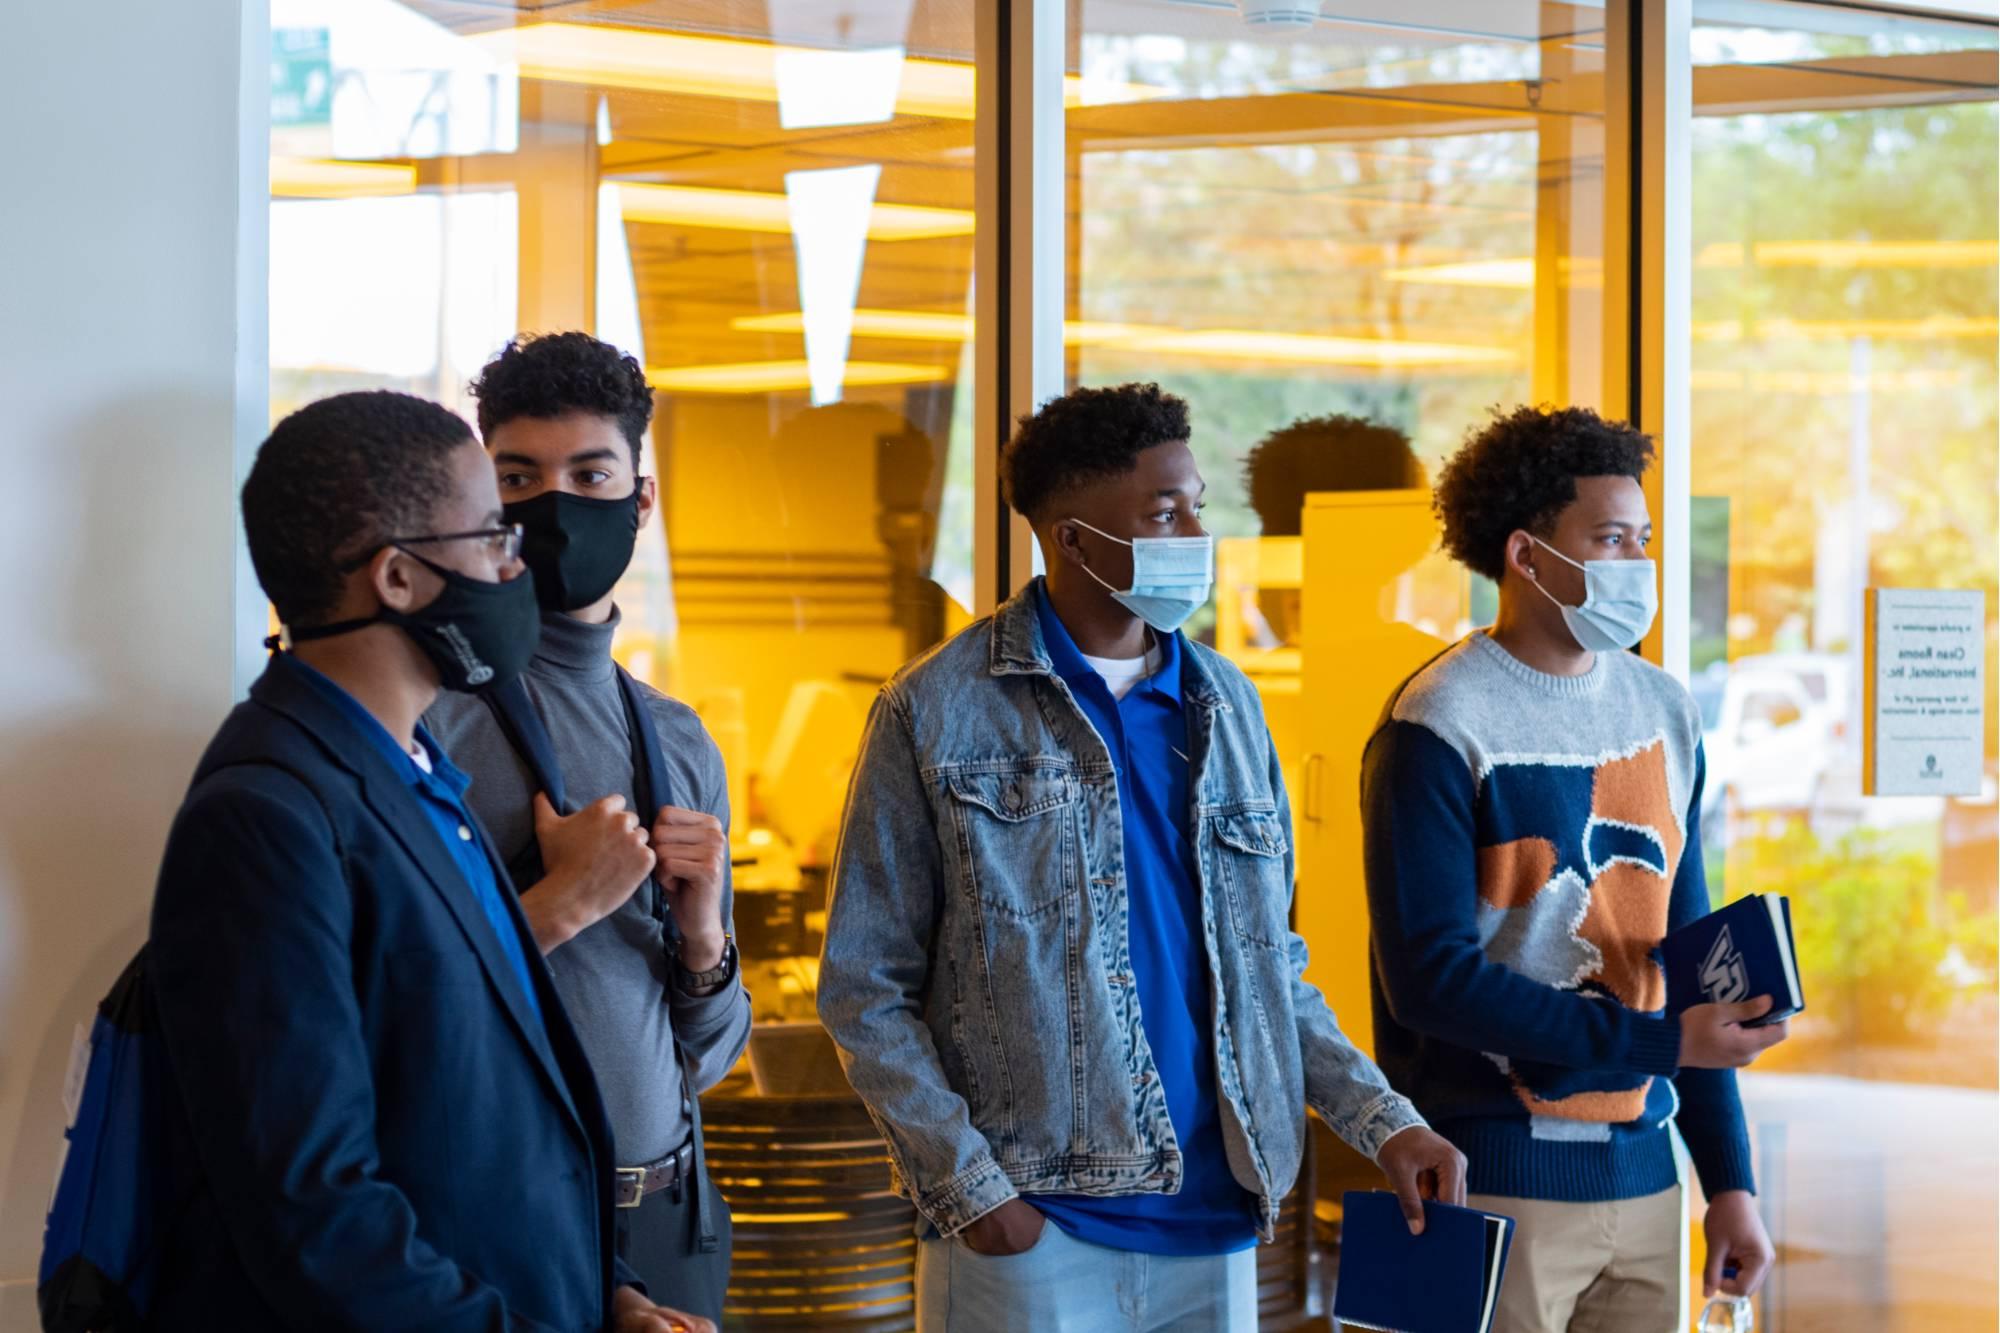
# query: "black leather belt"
[633,1183]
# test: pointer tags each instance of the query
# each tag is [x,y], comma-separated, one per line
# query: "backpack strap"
[654,789]
[522,725]
[650,783]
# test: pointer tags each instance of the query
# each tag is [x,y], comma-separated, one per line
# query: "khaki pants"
[1593,1267]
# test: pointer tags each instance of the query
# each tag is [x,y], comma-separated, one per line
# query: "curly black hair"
[333,479]
[559,373]
[1329,453]
[1519,472]
[1082,436]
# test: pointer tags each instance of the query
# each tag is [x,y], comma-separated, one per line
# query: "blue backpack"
[99,1259]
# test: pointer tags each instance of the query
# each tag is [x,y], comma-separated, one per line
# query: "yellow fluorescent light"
[1853,254]
[936,326]
[1826,383]
[909,325]
[781,376]
[324,178]
[672,62]
[1087,333]
[1518,274]
[1216,344]
[1316,349]
[1933,329]
[751,210]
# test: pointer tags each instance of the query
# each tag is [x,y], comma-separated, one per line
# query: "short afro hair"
[1329,453]
[558,373]
[1085,435]
[1519,473]
[332,481]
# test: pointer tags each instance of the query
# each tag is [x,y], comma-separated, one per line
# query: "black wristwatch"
[714,976]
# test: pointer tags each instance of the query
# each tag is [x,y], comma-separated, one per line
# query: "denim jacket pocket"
[1016,832]
[1252,862]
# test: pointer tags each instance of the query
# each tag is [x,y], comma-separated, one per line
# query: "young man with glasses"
[378,1114]
[639,945]
[1059,961]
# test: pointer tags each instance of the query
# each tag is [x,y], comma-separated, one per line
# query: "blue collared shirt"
[440,790]
[1146,733]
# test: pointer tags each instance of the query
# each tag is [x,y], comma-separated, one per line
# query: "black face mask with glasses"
[478,635]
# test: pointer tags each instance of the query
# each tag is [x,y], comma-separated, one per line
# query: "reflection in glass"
[1845,436]
[1342,244]
[1347,242]
[771,206]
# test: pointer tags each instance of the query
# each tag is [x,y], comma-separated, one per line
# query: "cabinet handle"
[1314,780]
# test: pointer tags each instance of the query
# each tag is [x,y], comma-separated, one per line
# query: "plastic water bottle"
[1727,1314]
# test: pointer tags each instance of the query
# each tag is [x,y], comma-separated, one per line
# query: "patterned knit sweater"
[1528,840]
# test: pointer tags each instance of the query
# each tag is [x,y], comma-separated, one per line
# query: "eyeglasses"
[502,543]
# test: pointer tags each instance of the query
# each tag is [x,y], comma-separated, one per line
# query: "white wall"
[132,385]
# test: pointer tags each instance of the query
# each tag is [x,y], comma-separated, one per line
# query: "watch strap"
[714,976]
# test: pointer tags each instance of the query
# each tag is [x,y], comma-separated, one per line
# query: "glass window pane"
[1845,437]
[1342,243]
[771,205]
[1397,225]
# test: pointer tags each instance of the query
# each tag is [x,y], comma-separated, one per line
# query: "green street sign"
[301,78]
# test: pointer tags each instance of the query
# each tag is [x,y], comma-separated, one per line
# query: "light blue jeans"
[1064,1285]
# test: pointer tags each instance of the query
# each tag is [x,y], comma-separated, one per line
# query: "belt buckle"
[631,1186]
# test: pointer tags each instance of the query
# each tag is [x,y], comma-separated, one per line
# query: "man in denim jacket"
[1058,962]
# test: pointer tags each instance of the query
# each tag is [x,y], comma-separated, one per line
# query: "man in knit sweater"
[1530,802]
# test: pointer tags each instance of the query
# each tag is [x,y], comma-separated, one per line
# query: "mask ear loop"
[1085,567]
[1100,532]
[1100,579]
[1536,579]
[1574,564]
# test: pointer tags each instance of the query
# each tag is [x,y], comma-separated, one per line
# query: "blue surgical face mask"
[1171,577]
[1620,599]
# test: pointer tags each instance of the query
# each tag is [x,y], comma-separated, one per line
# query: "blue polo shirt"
[1146,733]
[440,790]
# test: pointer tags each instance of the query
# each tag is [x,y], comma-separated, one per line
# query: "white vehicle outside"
[1783,736]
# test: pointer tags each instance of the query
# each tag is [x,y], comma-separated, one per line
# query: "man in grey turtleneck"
[562,416]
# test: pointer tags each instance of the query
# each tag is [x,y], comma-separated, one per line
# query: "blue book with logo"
[1740,952]
[1444,1281]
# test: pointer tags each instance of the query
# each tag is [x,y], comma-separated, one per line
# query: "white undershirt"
[1123,673]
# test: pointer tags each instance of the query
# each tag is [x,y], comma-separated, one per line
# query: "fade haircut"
[332,481]
[1083,436]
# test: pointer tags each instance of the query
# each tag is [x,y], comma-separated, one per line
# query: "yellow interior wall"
[780,573]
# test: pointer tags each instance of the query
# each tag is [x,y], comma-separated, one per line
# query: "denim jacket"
[977,974]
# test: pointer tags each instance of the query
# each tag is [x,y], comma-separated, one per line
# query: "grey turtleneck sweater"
[615,978]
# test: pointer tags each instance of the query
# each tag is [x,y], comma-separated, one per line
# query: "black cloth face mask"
[577,548]
[478,635]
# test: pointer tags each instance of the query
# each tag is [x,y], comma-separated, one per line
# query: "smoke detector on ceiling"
[1280,15]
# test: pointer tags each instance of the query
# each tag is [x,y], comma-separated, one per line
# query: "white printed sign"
[1925,686]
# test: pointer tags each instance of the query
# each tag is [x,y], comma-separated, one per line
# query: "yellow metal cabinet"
[1378,603]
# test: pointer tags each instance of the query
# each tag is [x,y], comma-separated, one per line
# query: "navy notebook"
[1444,1281]
[1743,950]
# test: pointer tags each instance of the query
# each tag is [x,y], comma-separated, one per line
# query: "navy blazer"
[373,1128]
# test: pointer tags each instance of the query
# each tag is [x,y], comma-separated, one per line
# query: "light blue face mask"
[1621,598]
[1171,577]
